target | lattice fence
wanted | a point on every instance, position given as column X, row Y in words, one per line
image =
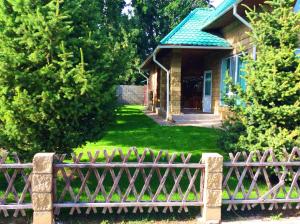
column 147, row 181
column 14, row 185
column 259, row 179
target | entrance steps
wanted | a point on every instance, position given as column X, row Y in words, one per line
column 198, row 120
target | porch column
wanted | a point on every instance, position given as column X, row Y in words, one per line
column 175, row 87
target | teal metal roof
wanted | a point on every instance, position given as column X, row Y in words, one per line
column 189, row 31
column 219, row 11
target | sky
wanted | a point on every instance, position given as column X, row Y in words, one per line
column 297, row 7
column 127, row 9
column 216, row 2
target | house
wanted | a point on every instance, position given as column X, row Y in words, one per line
column 187, row 70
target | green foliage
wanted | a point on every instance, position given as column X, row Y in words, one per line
column 59, row 63
column 269, row 109
column 155, row 18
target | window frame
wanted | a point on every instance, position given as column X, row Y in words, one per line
column 236, row 58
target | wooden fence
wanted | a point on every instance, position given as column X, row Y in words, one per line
column 15, row 185
column 133, row 181
column 148, row 180
column 260, row 179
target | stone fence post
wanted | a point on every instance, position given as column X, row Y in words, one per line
column 42, row 188
column 212, row 195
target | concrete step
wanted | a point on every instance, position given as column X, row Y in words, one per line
column 196, row 117
column 199, row 120
column 204, row 125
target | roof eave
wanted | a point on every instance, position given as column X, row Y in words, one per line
column 222, row 14
column 170, row 46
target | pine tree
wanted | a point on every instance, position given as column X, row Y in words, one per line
column 268, row 115
column 58, row 71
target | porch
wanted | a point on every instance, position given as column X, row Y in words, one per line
column 194, row 86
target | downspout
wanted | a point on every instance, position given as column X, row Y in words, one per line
column 235, row 13
column 147, row 89
column 168, row 81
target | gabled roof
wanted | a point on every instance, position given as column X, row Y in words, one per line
column 189, row 31
column 220, row 10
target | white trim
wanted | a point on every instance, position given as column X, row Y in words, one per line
column 147, row 89
column 193, row 47
column 236, row 68
column 211, row 90
column 168, row 82
column 159, row 47
column 241, row 19
column 222, row 14
column 236, row 72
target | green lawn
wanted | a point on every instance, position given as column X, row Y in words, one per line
column 133, row 128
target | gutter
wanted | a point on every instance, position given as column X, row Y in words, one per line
column 147, row 89
column 193, row 47
column 168, row 117
column 235, row 13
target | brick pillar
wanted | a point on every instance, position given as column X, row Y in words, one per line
column 212, row 195
column 42, row 187
column 163, row 94
column 175, row 87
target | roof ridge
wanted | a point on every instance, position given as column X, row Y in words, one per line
column 181, row 24
column 204, row 9
column 228, row 3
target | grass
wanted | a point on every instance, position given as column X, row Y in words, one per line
column 134, row 129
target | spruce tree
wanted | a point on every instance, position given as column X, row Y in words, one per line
column 58, row 72
column 268, row 112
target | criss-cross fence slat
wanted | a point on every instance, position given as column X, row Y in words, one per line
column 15, row 188
column 127, row 180
column 261, row 179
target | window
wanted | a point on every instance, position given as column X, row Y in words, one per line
column 298, row 52
column 234, row 66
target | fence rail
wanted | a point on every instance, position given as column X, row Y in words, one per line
column 15, row 185
column 165, row 183
column 146, row 181
column 259, row 179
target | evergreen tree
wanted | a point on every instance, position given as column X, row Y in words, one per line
column 59, row 63
column 268, row 112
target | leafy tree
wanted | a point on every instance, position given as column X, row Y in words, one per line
column 59, row 63
column 156, row 18
column 267, row 114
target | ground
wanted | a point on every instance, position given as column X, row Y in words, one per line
column 134, row 129
column 237, row 217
